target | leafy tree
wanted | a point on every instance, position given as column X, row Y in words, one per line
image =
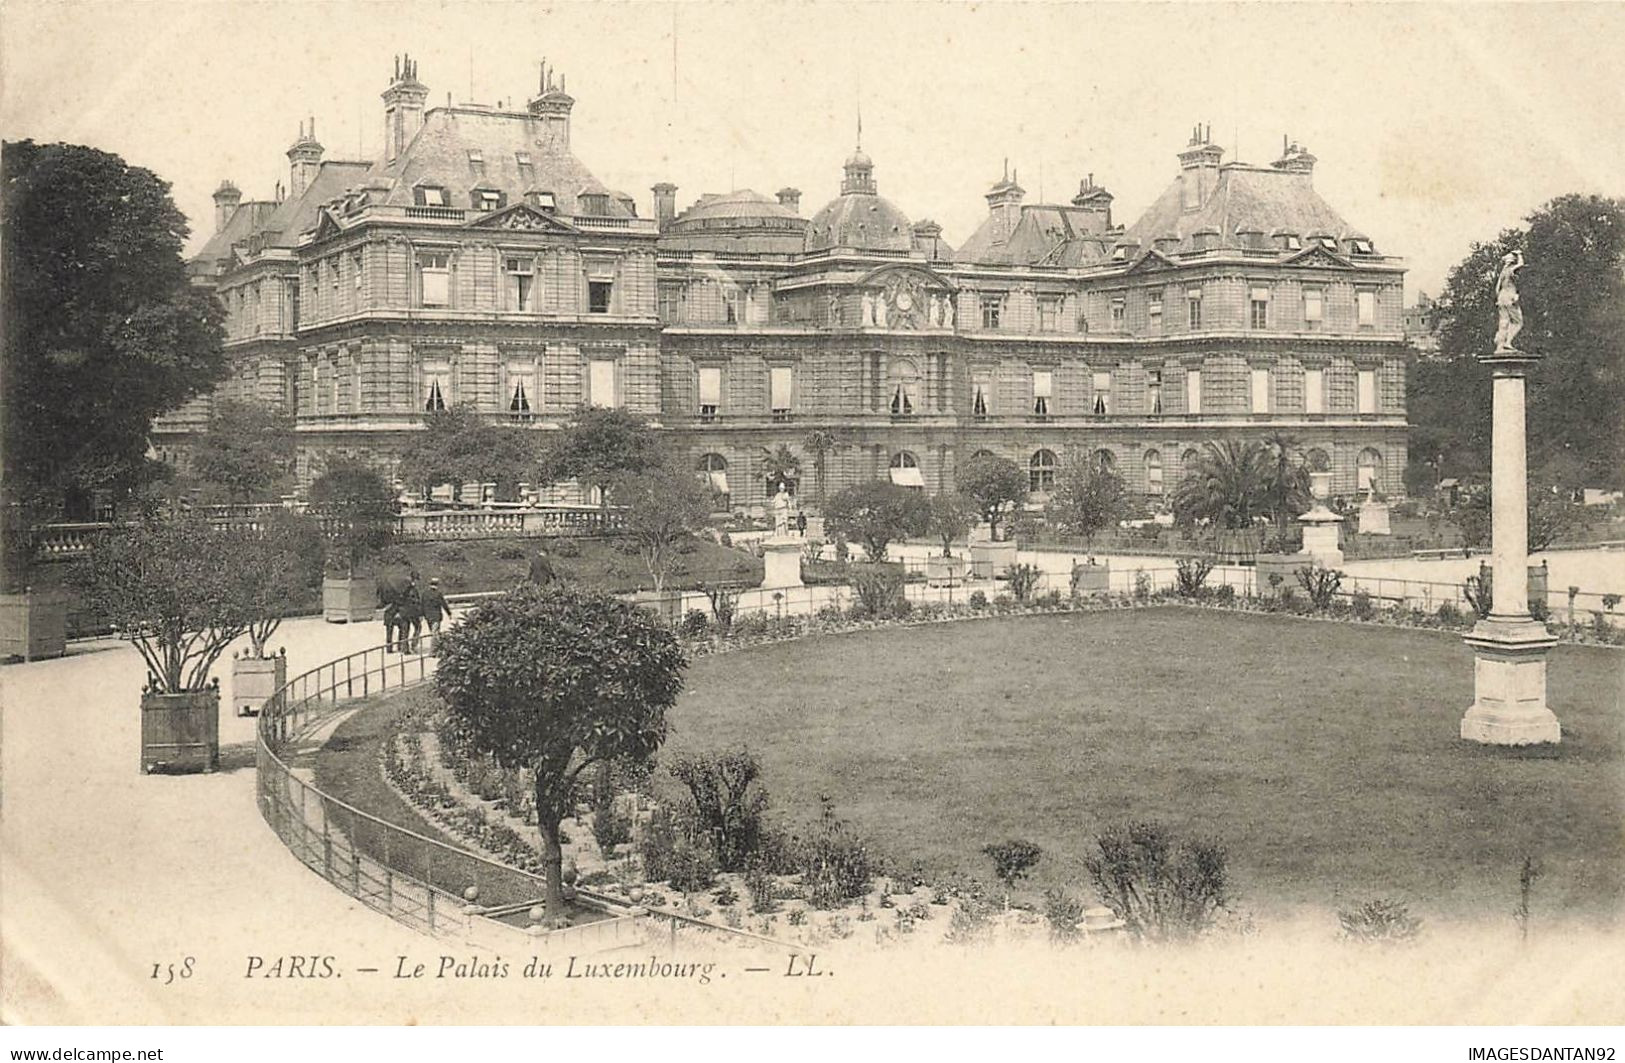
column 1226, row 487
column 1552, row 517
column 1285, row 473
column 1572, row 292
column 998, row 485
column 780, row 465
column 821, row 443
column 276, row 571
column 950, row 518
column 556, row 681
column 1087, row 499
column 358, row 507
column 459, row 446
column 875, row 513
column 247, row 450
column 665, row 506
column 103, row 331
column 174, row 589
column 1012, row 860
column 599, row 445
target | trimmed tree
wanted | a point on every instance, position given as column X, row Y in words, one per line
column 555, row 681
column 103, row 332
column 277, row 571
column 1087, row 499
column 876, row 513
column 246, row 452
column 358, row 508
column 950, row 518
column 598, row 446
column 459, row 446
column 998, row 485
column 665, row 506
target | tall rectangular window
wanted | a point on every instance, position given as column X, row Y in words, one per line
column 1314, row 391
column 671, row 303
column 521, row 388
column 991, row 306
column 1314, row 308
column 710, row 391
column 1193, row 391
column 521, row 280
column 1153, row 386
column 598, row 296
column 1043, row 382
column 601, row 382
column 781, row 380
column 1119, row 313
column 1153, row 311
column 1367, row 391
column 1259, row 308
column 434, row 278
column 1049, row 314
column 436, row 386
column 980, row 404
column 1193, row 306
column 1102, row 381
column 1367, row 302
column 1261, row 390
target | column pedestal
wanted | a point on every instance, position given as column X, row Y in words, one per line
column 781, row 562
column 1509, row 684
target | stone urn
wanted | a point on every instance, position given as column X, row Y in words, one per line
column 349, row 599
column 255, row 679
column 180, row 732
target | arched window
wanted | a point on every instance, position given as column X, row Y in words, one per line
column 905, row 470
column 904, row 381
column 1319, row 460
column 1104, row 460
column 1041, row 472
column 1153, row 472
column 983, row 453
column 713, row 469
column 1368, row 470
column 1187, row 461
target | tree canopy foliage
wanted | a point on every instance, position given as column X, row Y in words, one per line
column 876, row 513
column 459, row 446
column 1087, row 499
column 1226, row 487
column 998, row 485
column 599, row 445
column 555, row 681
column 665, row 505
column 247, row 451
column 950, row 517
column 359, row 505
column 1572, row 291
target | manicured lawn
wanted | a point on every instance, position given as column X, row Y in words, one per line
column 1324, row 756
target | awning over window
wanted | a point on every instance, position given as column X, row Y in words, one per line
column 719, row 480
column 909, row 477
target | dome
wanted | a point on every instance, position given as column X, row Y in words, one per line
column 862, row 221
column 742, row 221
column 734, row 208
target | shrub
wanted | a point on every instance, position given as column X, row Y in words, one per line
column 1361, row 604
column 695, row 624
column 724, row 601
column 759, row 884
column 1479, row 591
column 671, row 854
column 1449, row 615
column 1380, row 921
column 1320, row 584
column 1050, row 599
column 725, row 896
column 609, row 826
column 1063, row 912
column 972, row 919
column 879, row 590
column 1142, row 584
column 835, row 862
column 511, row 552
column 1224, row 594
column 1163, row 891
column 1012, row 860
column 1191, row 574
column 978, row 600
column 728, row 811
column 449, row 554
column 1022, row 580
column 1539, row 609
column 751, row 625
column 567, row 548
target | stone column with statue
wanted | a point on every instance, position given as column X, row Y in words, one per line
column 1509, row 646
column 781, row 551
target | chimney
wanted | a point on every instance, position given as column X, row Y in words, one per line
column 1295, row 158
column 1199, row 168
column 304, row 159
column 552, row 105
column 226, row 198
column 790, row 199
column 665, row 203
column 404, row 101
column 1095, row 199
column 1004, row 202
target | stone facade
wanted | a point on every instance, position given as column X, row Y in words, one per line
column 482, row 263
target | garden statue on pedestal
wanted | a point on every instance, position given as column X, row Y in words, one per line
column 783, row 512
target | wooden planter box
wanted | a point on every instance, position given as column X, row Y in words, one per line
column 1089, row 580
column 946, row 571
column 347, row 601
column 180, row 732
column 254, row 680
column 992, row 560
column 668, row 605
column 1284, row 565
column 33, row 625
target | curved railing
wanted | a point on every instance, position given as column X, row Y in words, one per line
column 412, row 878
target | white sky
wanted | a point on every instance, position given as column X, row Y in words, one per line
column 1434, row 125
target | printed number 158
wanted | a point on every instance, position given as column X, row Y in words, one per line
column 168, row 972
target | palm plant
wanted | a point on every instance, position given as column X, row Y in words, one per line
column 821, row 443
column 1285, row 472
column 780, row 466
column 1226, row 487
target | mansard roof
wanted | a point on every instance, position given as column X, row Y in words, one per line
column 245, row 220
column 463, row 148
column 1047, row 234
column 298, row 213
column 1245, row 198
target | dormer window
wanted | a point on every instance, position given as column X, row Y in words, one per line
column 543, row 201
column 486, row 199
column 1329, row 243
column 1291, row 242
column 1361, row 246
column 476, row 160
column 1119, row 253
column 430, row 196
column 522, row 158
column 595, row 204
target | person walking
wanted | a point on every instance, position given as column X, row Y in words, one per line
column 435, row 607
column 541, row 569
column 410, row 605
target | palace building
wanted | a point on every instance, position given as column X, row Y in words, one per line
column 479, row 261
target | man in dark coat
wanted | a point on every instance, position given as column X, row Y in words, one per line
column 391, row 586
column 435, row 607
column 410, row 606
column 541, row 569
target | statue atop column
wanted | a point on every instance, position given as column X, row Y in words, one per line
column 1508, row 314
column 783, row 512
